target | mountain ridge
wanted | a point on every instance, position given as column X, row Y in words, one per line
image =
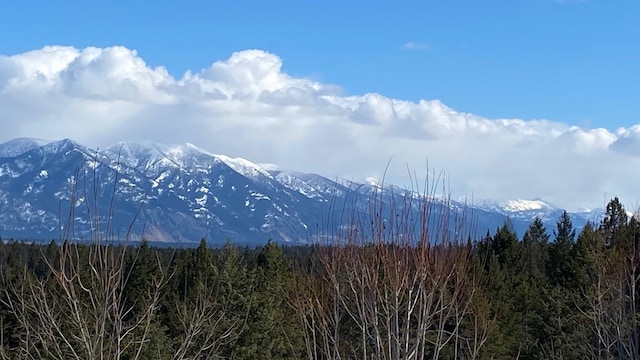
column 184, row 193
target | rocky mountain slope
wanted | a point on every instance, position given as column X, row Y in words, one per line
column 183, row 193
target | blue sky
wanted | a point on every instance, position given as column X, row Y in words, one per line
column 572, row 61
column 516, row 99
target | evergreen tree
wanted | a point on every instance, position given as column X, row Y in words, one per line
column 237, row 290
column 564, row 233
column 506, row 272
column 484, row 251
column 528, row 286
column 143, row 277
column 535, row 242
column 559, row 267
column 614, row 223
column 630, row 239
column 193, row 288
column 274, row 328
column 505, row 246
column 590, row 241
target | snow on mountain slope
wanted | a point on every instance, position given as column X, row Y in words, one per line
column 20, row 146
column 296, row 184
column 243, row 166
column 150, row 155
column 517, row 205
column 374, row 182
column 136, row 154
column 525, row 205
column 186, row 193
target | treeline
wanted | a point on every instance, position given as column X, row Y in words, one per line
column 399, row 292
column 74, row 301
column 565, row 295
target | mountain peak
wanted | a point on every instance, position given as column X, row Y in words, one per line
column 526, row 205
column 61, row 145
column 189, row 193
column 20, row 146
column 147, row 154
column 244, row 166
column 374, row 182
column 515, row 205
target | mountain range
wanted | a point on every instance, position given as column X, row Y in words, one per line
column 178, row 194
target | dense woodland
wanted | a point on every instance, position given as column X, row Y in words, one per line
column 395, row 293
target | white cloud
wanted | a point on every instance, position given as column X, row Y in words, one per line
column 247, row 106
column 415, row 45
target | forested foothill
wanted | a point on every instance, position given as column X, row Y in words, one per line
column 379, row 289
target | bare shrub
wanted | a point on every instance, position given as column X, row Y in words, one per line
column 80, row 309
column 398, row 282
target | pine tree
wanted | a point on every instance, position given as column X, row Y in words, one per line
column 237, row 290
column 505, row 246
column 273, row 331
column 529, row 286
column 198, row 316
column 507, row 276
column 559, row 267
column 564, row 233
column 536, row 241
column 144, row 275
column 614, row 223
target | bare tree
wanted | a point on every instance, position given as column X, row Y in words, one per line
column 611, row 301
column 81, row 310
column 396, row 283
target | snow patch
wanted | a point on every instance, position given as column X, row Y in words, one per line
column 19, row 146
column 269, row 167
column 244, row 167
column 162, row 176
column 297, row 185
column 525, row 205
column 259, row 196
column 515, row 206
column 377, row 183
column 202, row 201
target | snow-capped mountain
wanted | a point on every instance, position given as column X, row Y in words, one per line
column 180, row 193
column 514, row 206
column 520, row 210
column 19, row 146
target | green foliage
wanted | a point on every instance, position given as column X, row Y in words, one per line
column 614, row 223
column 536, row 242
column 538, row 297
column 273, row 327
column 506, row 248
column 560, row 268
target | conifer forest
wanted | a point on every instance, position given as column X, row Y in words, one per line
column 374, row 290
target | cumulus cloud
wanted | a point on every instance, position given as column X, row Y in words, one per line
column 248, row 106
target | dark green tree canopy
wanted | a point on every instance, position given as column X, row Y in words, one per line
column 614, row 222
